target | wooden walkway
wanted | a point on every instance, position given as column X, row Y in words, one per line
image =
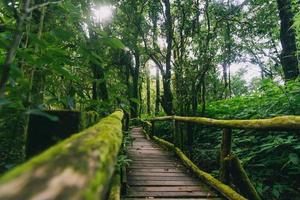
column 156, row 174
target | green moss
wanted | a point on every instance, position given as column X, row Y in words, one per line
column 164, row 143
column 91, row 154
column 277, row 123
column 115, row 191
column 210, row 180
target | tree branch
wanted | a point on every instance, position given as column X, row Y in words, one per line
column 42, row 5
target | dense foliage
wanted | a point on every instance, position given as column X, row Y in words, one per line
column 158, row 57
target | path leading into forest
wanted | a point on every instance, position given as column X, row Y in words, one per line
column 156, row 174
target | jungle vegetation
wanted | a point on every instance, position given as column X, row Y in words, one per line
column 223, row 59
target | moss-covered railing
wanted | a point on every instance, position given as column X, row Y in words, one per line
column 80, row 167
column 230, row 165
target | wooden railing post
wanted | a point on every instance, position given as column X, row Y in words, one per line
column 240, row 178
column 189, row 129
column 152, row 128
column 224, row 152
column 176, row 134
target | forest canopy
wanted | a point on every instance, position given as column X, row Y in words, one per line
column 221, row 59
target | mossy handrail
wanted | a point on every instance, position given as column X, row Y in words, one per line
column 289, row 122
column 80, row 167
column 228, row 161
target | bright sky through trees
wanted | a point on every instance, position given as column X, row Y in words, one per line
column 103, row 14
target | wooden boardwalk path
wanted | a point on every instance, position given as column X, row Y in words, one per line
column 156, row 174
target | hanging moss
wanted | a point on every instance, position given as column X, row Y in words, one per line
column 79, row 167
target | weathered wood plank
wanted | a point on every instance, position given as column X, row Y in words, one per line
column 156, row 173
column 161, row 178
column 168, row 189
column 179, row 198
column 171, row 194
column 164, row 183
column 134, row 173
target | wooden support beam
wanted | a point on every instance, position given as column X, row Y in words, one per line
column 224, row 152
column 176, row 134
column 152, row 129
column 190, row 138
column 123, row 180
column 282, row 123
column 240, row 178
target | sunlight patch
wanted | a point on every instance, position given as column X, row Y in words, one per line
column 103, row 14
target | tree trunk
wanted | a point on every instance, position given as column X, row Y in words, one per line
column 167, row 96
column 194, row 100
column 288, row 55
column 157, row 100
column 148, row 93
column 36, row 96
column 100, row 90
column 135, row 86
column 11, row 53
column 203, row 96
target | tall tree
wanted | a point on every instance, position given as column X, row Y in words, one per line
column 288, row 55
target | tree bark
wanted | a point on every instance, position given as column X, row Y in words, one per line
column 157, row 100
column 11, row 53
column 36, row 96
column 288, row 55
column 167, row 97
column 148, row 94
column 100, row 90
column 135, row 86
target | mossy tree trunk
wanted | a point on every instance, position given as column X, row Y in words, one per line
column 135, row 73
column 148, row 92
column 288, row 56
column 157, row 100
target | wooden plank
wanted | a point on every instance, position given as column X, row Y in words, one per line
column 155, row 164
column 147, row 198
column 156, row 159
column 168, row 189
column 144, row 148
column 157, row 170
column 161, row 178
column 134, row 173
column 155, row 173
column 164, row 183
column 171, row 194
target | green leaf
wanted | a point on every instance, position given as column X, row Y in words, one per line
column 4, row 102
column 114, row 43
column 294, row 158
column 65, row 72
column 41, row 113
column 135, row 100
